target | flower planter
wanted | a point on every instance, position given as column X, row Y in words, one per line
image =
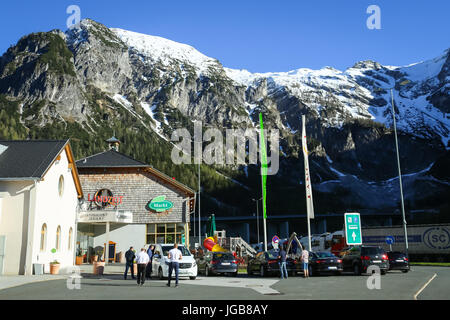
column 54, row 268
column 79, row 260
column 99, row 267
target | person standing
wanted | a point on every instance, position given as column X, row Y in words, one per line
column 305, row 259
column 282, row 258
column 129, row 257
column 174, row 257
column 148, row 269
column 142, row 260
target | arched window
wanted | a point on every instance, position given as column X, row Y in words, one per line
column 70, row 238
column 61, row 185
column 43, row 236
column 58, row 238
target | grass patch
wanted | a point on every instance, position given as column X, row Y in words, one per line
column 431, row 264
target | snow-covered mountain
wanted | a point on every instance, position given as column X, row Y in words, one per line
column 362, row 90
column 93, row 75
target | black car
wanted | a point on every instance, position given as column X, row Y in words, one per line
column 359, row 258
column 324, row 262
column 267, row 262
column 217, row 263
column 398, row 261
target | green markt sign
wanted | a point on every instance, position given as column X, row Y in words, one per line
column 353, row 234
column 159, row 204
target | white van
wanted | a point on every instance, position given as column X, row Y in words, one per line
column 160, row 262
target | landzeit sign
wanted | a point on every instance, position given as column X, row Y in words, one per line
column 104, row 198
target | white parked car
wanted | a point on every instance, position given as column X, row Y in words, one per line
column 160, row 263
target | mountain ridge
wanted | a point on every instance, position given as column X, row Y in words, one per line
column 90, row 80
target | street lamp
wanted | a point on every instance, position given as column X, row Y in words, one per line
column 399, row 171
column 257, row 219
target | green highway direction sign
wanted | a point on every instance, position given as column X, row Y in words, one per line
column 353, row 229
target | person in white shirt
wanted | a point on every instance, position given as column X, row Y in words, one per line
column 174, row 257
column 305, row 259
column 142, row 259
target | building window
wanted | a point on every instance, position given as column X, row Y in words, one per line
column 43, row 237
column 70, row 239
column 164, row 232
column 61, row 185
column 58, row 238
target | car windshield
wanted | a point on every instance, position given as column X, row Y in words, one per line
column 372, row 250
column 325, row 255
column 223, row 256
column 183, row 250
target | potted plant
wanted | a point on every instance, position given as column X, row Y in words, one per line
column 99, row 267
column 79, row 258
column 99, row 264
column 54, row 267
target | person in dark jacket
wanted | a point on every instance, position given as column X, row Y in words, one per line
column 148, row 269
column 282, row 259
column 129, row 257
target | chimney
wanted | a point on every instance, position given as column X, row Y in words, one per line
column 113, row 143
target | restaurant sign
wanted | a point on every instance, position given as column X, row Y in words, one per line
column 159, row 204
column 104, row 197
column 118, row 216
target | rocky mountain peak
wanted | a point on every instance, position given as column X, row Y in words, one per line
column 367, row 64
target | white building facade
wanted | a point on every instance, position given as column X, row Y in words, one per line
column 38, row 206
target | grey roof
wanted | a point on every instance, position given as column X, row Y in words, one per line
column 28, row 159
column 113, row 139
column 109, row 159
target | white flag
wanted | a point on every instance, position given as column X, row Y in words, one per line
column 309, row 198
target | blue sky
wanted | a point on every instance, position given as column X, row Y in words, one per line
column 260, row 36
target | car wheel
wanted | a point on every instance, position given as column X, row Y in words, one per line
column 192, row 278
column 249, row 271
column 160, row 274
column 207, row 271
column 405, row 271
column 234, row 274
column 338, row 273
column 383, row 272
column 261, row 271
column 356, row 270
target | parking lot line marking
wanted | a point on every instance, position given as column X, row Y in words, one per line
column 424, row 286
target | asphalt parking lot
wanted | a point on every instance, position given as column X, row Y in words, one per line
column 415, row 284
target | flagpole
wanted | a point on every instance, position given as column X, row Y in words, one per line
column 264, row 218
column 263, row 158
column 309, row 232
column 308, row 190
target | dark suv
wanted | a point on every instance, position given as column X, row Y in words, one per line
column 359, row 258
column 398, row 261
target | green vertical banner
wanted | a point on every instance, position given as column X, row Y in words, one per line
column 263, row 156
